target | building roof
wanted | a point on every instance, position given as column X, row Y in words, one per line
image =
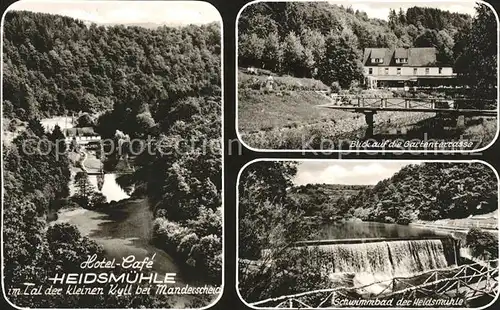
column 378, row 52
column 79, row 131
column 417, row 56
column 401, row 53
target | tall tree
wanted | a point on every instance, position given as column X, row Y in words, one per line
column 478, row 61
column 84, row 189
column 272, row 56
column 293, row 54
column 36, row 127
column 57, row 137
column 341, row 62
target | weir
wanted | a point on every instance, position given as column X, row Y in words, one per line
column 402, row 268
column 392, row 258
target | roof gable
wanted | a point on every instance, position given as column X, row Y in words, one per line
column 417, row 56
column 401, row 53
column 371, row 53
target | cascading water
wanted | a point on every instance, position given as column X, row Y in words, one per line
column 409, row 257
column 390, row 258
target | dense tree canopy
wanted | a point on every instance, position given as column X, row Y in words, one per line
column 326, row 200
column 55, row 64
column 35, row 179
column 265, row 214
column 294, row 38
column 477, row 53
column 428, row 191
column 161, row 85
column 270, row 220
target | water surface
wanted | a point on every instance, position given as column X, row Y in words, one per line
column 359, row 229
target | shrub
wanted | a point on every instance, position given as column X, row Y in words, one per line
column 482, row 243
column 168, row 233
column 206, row 250
column 405, row 218
column 335, row 87
column 208, row 222
column 85, row 120
column 187, row 242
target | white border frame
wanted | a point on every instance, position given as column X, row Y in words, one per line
column 347, row 2
column 339, row 161
column 221, row 24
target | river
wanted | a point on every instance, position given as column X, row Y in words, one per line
column 359, row 229
column 122, row 230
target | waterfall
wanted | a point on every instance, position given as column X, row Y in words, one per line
column 409, row 257
column 389, row 258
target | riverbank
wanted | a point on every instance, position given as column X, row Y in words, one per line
column 487, row 222
column 125, row 230
column 122, row 231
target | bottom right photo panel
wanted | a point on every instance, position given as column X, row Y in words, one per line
column 367, row 234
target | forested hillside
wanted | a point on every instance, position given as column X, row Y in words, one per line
column 160, row 85
column 429, row 191
column 326, row 200
column 35, row 182
column 56, row 64
column 326, row 41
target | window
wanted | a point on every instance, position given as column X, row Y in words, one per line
column 399, row 71
column 386, row 71
column 370, row 70
column 426, row 70
column 440, row 70
column 414, row 71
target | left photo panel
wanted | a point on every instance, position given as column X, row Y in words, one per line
column 112, row 154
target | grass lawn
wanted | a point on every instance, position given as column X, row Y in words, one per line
column 285, row 82
column 258, row 110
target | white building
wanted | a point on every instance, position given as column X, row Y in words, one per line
column 384, row 67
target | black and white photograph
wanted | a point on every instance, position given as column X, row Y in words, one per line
column 367, row 234
column 111, row 154
column 367, row 75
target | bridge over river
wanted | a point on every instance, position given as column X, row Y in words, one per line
column 410, row 268
column 371, row 106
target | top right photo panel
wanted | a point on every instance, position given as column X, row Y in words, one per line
column 367, row 75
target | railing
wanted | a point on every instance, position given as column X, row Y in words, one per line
column 403, row 102
column 469, row 281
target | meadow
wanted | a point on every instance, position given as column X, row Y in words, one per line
column 289, row 115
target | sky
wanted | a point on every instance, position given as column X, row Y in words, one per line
column 126, row 12
column 347, row 172
column 380, row 9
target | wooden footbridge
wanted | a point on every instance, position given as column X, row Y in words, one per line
column 467, row 282
column 370, row 106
